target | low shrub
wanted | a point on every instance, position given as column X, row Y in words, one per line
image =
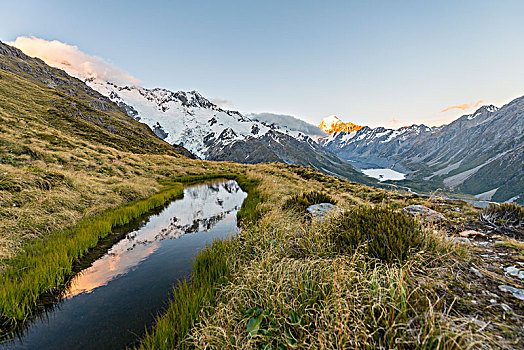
column 300, row 202
column 506, row 216
column 383, row 233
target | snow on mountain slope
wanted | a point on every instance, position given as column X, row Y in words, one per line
column 184, row 118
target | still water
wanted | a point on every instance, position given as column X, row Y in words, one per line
column 110, row 304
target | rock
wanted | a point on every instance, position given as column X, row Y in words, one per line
column 471, row 233
column 513, row 271
column 319, row 211
column 517, row 292
column 425, row 212
column 462, row 240
column 477, row 272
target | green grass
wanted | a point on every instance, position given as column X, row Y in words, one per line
column 44, row 264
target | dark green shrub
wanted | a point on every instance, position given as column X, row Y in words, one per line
column 384, row 234
column 300, row 202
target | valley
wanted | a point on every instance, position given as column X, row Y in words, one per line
column 212, row 212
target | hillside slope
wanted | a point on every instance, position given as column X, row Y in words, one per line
column 69, row 105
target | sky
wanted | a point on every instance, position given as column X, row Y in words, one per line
column 376, row 63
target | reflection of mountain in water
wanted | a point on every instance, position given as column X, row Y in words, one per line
column 200, row 210
column 205, row 206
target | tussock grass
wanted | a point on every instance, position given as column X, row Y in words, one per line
column 320, row 299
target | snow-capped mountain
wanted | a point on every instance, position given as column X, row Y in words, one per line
column 374, row 147
column 332, row 124
column 212, row 133
column 480, row 153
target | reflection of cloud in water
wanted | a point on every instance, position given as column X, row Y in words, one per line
column 107, row 268
column 202, row 208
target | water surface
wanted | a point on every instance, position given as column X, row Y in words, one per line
column 109, row 304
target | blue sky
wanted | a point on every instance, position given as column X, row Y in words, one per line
column 390, row 63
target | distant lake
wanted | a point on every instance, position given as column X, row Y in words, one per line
column 384, row 174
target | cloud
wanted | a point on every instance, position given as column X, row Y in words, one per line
column 223, row 103
column 69, row 58
column 464, row 106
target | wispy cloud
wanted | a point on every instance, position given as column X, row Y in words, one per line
column 220, row 102
column 464, row 106
column 72, row 60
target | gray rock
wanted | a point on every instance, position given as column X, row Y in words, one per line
column 517, row 292
column 462, row 240
column 425, row 212
column 477, row 272
column 319, row 211
column 513, row 271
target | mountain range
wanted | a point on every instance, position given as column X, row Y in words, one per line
column 479, row 154
column 211, row 133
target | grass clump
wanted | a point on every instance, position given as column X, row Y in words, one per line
column 300, row 202
column 385, row 234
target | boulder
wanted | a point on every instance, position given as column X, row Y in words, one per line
column 425, row 212
column 319, row 211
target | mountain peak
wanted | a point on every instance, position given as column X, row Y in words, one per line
column 333, row 124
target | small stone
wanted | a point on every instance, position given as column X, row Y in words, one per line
column 493, row 301
column 517, row 292
column 512, row 270
column 471, row 233
column 477, row 272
